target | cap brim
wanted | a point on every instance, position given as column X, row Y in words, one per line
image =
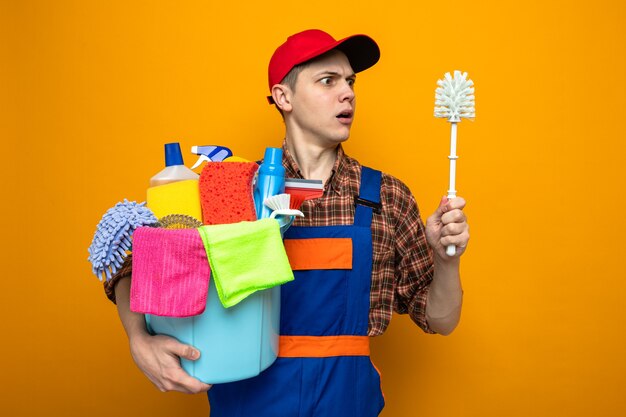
column 361, row 50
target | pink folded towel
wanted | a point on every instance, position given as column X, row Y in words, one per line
column 170, row 272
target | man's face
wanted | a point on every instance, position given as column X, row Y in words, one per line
column 323, row 102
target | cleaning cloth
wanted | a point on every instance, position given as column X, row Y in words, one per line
column 226, row 192
column 245, row 257
column 170, row 272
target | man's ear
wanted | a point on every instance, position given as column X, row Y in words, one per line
column 282, row 97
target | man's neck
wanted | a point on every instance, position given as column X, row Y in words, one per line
column 314, row 161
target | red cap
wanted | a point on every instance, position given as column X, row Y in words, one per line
column 361, row 50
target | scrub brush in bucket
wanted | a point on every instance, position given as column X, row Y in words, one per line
column 280, row 205
column 179, row 221
column 454, row 99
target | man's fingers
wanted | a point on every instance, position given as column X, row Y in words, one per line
column 448, row 225
column 189, row 385
column 454, row 216
column 185, row 351
column 453, row 229
column 447, row 205
column 441, row 209
column 178, row 379
column 182, row 382
column 159, row 359
column 456, row 203
column 460, row 239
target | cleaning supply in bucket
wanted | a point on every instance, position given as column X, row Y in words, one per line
column 270, row 180
column 245, row 257
column 170, row 274
column 454, row 99
column 174, row 170
column 174, row 190
column 210, row 153
column 179, row 221
column 182, row 197
column 269, row 183
column 279, row 204
column 247, row 333
column 226, row 192
column 111, row 241
column 301, row 189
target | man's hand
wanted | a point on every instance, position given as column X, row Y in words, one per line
column 448, row 226
column 158, row 357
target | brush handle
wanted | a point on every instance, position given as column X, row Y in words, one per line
column 451, row 249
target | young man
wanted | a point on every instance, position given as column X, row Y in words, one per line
column 382, row 257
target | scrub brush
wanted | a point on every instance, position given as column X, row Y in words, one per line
column 454, row 99
column 112, row 238
column 280, row 205
column 300, row 190
column 179, row 221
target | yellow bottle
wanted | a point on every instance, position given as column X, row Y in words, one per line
column 174, row 190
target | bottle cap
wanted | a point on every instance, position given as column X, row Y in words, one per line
column 273, row 156
column 173, row 155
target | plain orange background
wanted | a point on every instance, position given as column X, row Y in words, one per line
column 90, row 91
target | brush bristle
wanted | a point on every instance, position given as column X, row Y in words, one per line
column 179, row 221
column 454, row 98
column 278, row 202
column 296, row 201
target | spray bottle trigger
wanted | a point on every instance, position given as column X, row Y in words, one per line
column 200, row 161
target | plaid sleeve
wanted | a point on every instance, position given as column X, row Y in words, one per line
column 125, row 271
column 413, row 257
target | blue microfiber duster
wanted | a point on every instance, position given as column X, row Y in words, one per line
column 112, row 238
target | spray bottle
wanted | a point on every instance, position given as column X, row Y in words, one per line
column 270, row 181
column 210, row 153
column 174, row 170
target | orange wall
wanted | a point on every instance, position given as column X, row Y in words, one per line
column 91, row 90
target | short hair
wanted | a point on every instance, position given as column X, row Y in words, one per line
column 291, row 78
